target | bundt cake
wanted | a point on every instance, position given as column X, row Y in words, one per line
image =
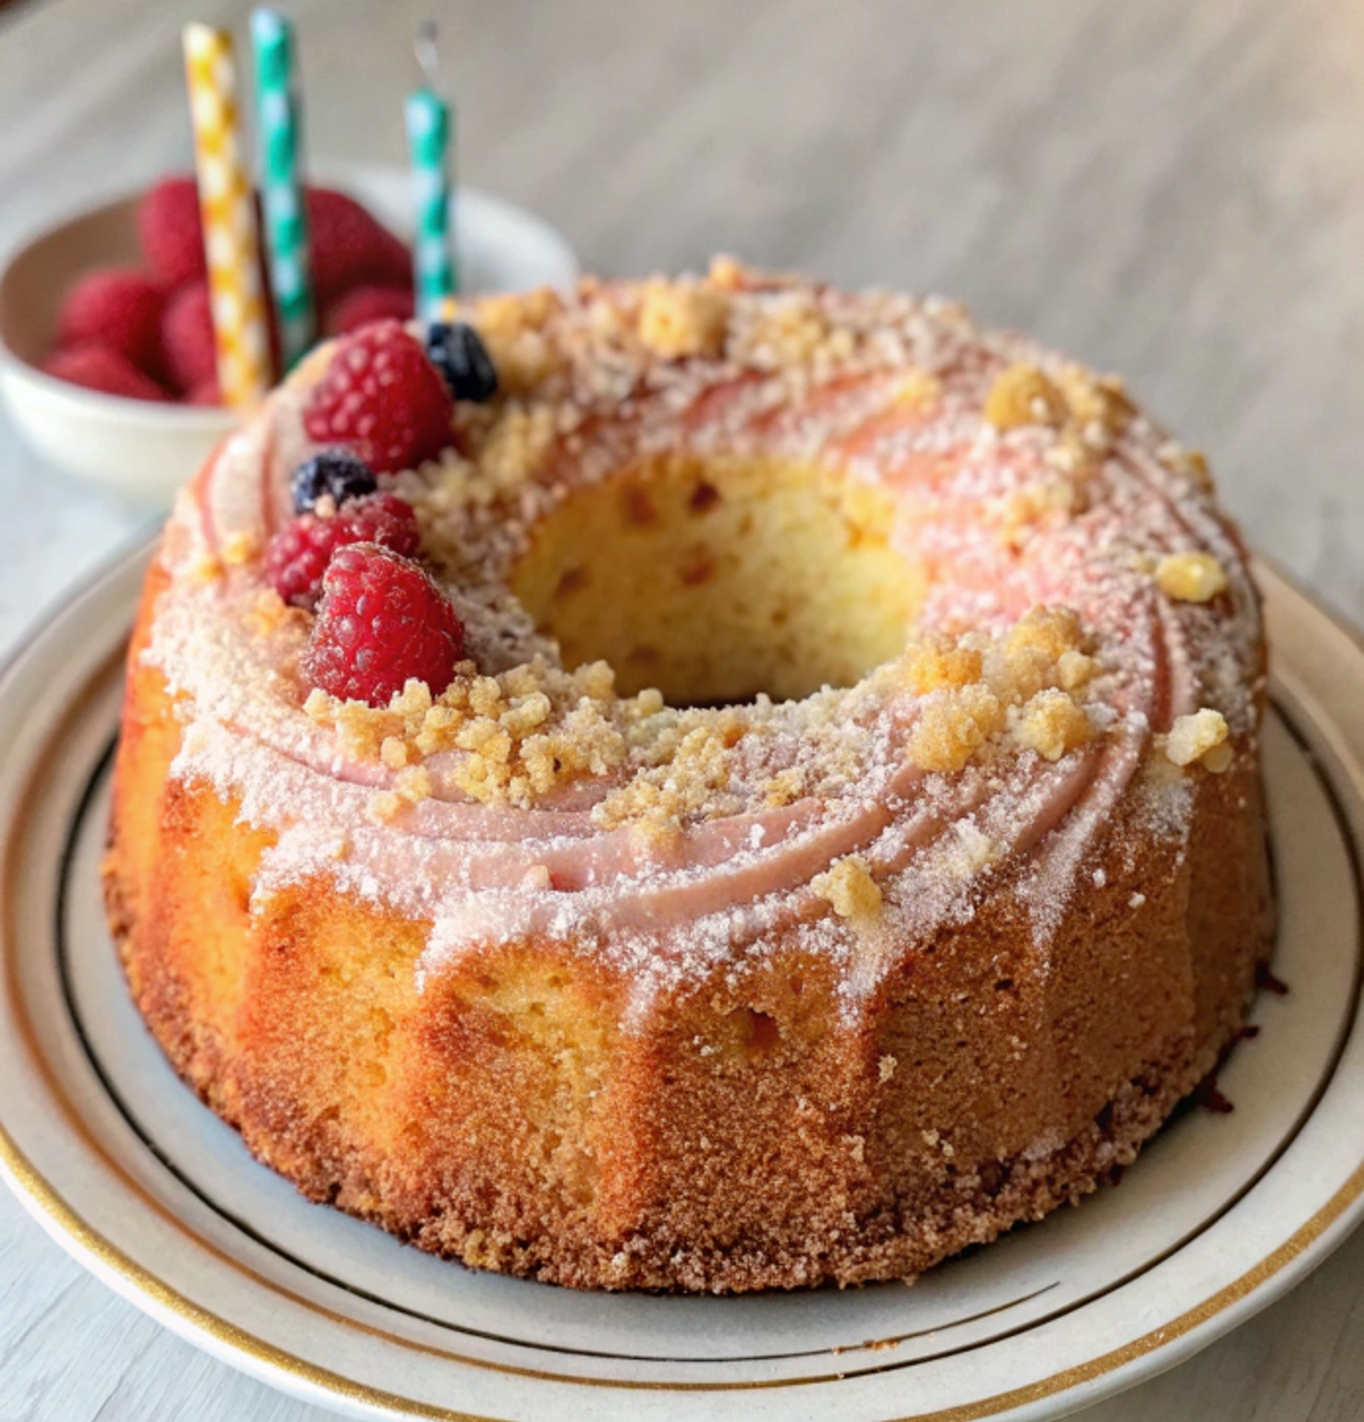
column 713, row 784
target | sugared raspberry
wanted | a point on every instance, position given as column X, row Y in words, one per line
column 297, row 556
column 337, row 473
column 383, row 398
column 96, row 367
column 363, row 304
column 458, row 352
column 187, row 337
column 350, row 247
column 116, row 308
column 382, row 622
column 170, row 231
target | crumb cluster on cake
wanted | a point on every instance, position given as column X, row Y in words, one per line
column 823, row 830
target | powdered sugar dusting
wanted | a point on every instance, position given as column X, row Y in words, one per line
column 878, row 389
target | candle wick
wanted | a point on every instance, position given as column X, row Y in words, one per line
column 424, row 44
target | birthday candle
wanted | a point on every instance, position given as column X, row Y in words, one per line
column 428, row 133
column 231, row 247
column 286, row 217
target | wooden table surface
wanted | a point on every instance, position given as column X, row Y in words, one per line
column 1171, row 190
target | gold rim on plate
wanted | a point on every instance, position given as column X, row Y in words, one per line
column 1317, row 648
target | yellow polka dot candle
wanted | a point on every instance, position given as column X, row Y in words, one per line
column 231, row 243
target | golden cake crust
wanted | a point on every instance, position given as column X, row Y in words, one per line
column 519, row 1104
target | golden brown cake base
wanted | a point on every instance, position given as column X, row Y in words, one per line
column 506, row 1119
column 838, row 839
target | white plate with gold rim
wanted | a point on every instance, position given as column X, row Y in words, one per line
column 130, row 1174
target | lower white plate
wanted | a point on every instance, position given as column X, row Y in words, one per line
column 129, row 1173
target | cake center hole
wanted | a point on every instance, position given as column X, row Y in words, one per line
column 716, row 579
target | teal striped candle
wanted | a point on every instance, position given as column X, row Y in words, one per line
column 282, row 203
column 428, row 136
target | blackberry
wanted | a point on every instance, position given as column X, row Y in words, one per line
column 337, row 472
column 461, row 357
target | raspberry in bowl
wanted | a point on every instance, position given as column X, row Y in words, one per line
column 84, row 404
column 106, row 363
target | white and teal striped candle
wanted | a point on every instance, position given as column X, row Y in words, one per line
column 430, row 124
column 278, row 116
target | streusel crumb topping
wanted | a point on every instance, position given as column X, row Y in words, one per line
column 1054, row 584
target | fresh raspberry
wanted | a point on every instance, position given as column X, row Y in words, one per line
column 101, row 368
column 350, row 247
column 383, row 398
column 187, row 337
column 363, row 304
column 297, row 556
column 392, row 261
column 207, row 392
column 170, row 231
column 115, row 308
column 382, row 622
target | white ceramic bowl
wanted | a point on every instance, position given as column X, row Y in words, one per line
column 145, row 450
column 138, row 447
